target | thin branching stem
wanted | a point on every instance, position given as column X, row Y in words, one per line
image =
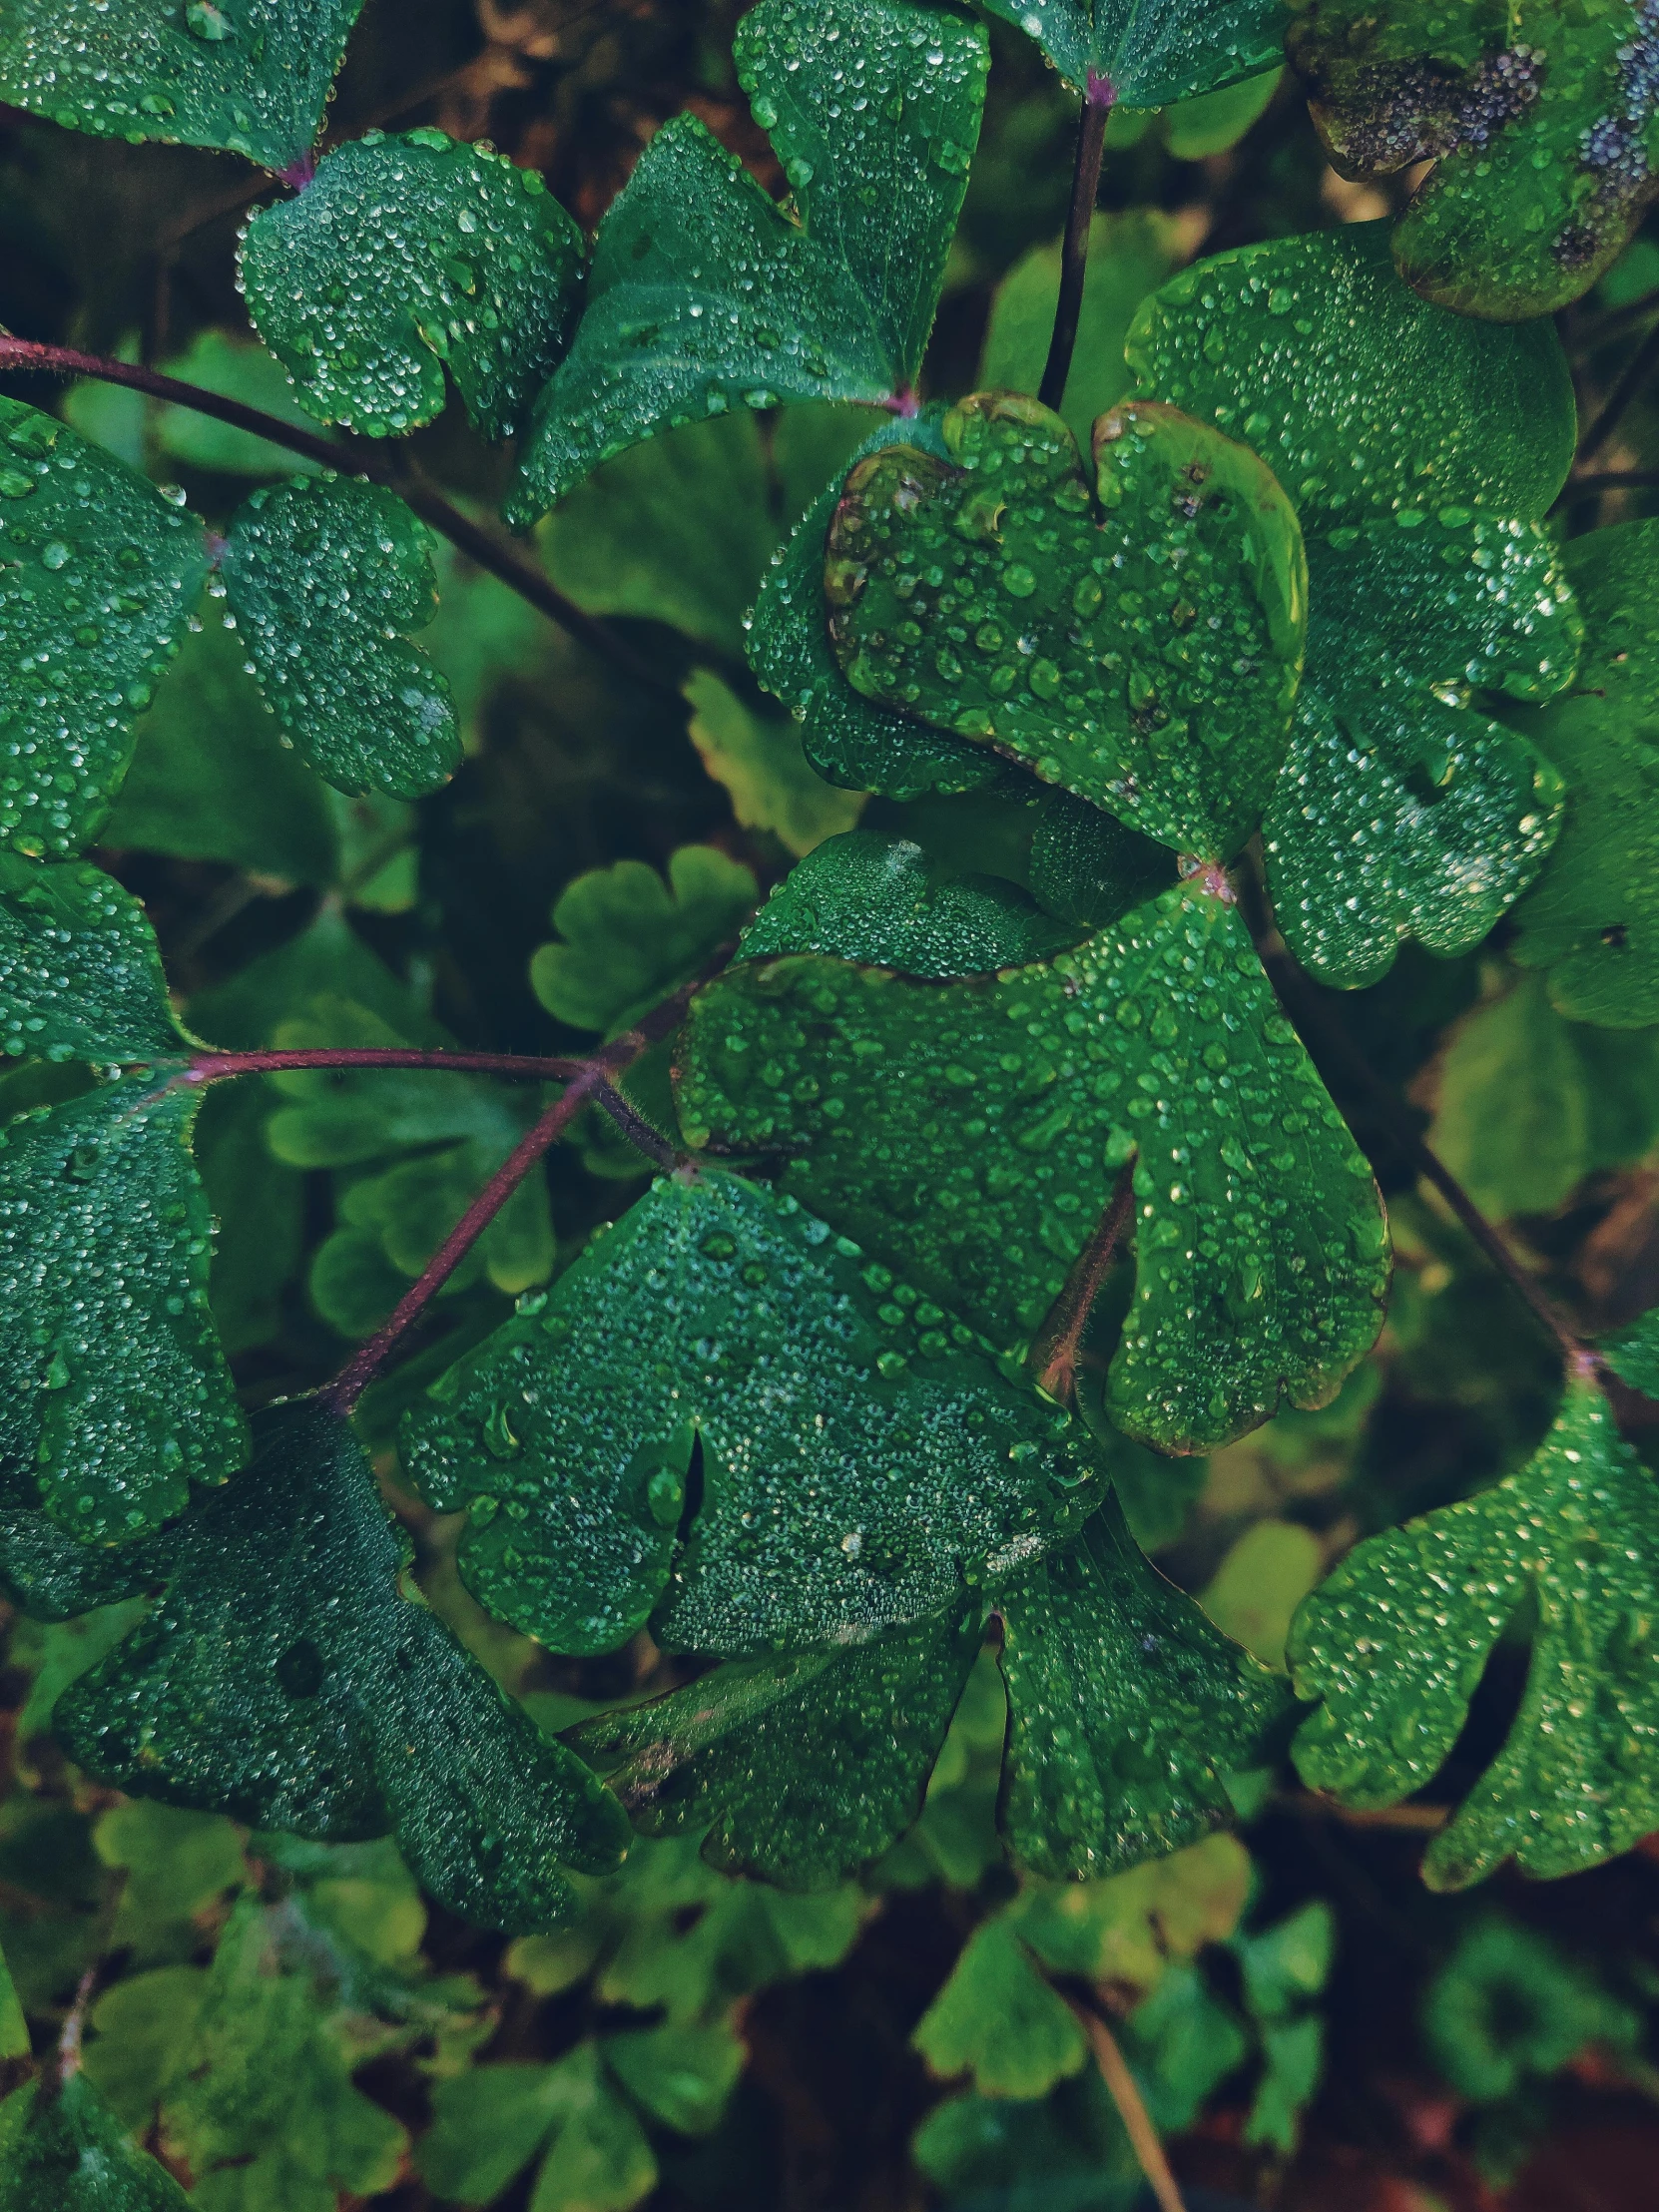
column 218, row 1067
column 1074, row 253
column 1125, row 2093
column 380, row 464
column 1055, row 1354
column 1638, row 369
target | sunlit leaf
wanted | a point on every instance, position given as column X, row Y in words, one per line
column 997, row 2020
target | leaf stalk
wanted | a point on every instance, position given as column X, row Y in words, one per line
column 1098, row 102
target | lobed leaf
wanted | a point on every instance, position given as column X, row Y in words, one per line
column 64, row 2150
column 1357, row 393
column 286, row 1678
column 114, row 1395
column 1403, row 810
column 490, row 2122
column 1137, row 639
column 1006, row 1109
column 98, row 576
column 404, row 255
column 1126, row 1710
column 1394, row 1645
column 997, row 2020
column 1541, row 122
column 251, row 76
column 797, row 1769
column 1593, row 921
column 702, row 292
column 1151, row 52
column 858, row 1453
column 627, row 940
column 759, row 759
column 80, row 974
column 326, row 576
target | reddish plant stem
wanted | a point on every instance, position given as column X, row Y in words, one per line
column 1058, row 1345
column 1074, row 253
column 1125, row 2093
column 380, row 464
column 641, row 1133
column 218, row 1067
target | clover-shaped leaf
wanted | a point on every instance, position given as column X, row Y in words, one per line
column 326, row 576
column 627, row 940
column 702, row 292
column 802, row 1768
column 1539, row 120
column 1396, row 1641
column 251, row 76
column 402, row 255
column 80, row 974
column 1404, row 811
column 1136, row 639
column 62, row 2149
column 113, row 1390
column 1593, row 919
column 1008, row 1107
column 1126, row 1708
column 98, row 576
column 1151, row 52
column 856, row 1448
column 286, row 1678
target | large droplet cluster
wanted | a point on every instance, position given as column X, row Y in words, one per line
column 251, row 75
column 114, row 1395
column 80, row 974
column 857, row 1449
column 1397, row 1639
column 98, row 577
column 972, row 1133
column 402, row 255
column 705, row 296
column 325, row 575
column 1142, row 651
column 1403, row 810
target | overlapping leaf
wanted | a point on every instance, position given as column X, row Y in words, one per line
column 800, row 1769
column 857, row 1449
column 286, row 1678
column 251, row 75
column 1593, row 921
column 326, row 576
column 1151, row 52
column 1395, row 1644
column 80, row 974
column 1539, row 119
column 704, row 293
column 98, row 575
column 404, row 255
column 1126, row 1709
column 1421, row 449
column 627, row 940
column 1136, row 640
column 63, row 2150
column 1007, row 1106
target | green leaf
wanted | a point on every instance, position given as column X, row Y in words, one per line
column 628, row 940
column 1593, row 921
column 858, row 1453
column 1128, row 1928
column 14, row 2029
column 1126, row 1708
column 195, row 790
column 326, row 576
column 1211, row 122
column 98, row 575
column 1293, row 2054
column 404, row 255
column 1166, row 622
column 759, row 759
column 877, row 900
column 113, row 1389
column 69, row 2153
column 286, row 1679
column 997, row 2020
column 1130, row 253
column 1067, row 2150
column 1395, row 1643
column 1150, row 51
column 1633, row 1353
column 487, row 2125
column 797, row 1769
column 175, row 1864
column 144, row 2030
column 1508, row 2009
column 261, row 1212
column 1008, row 1106
column 1361, row 397
column 1404, row 811
column 848, row 739
column 251, row 75
column 238, row 367
column 80, row 974
column 1539, row 121
column 702, row 292
column 1530, row 1104
column 599, row 2161
column 1259, row 1583
column 676, row 531
column 683, row 2077
column 1183, row 2042
column 1287, row 1964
